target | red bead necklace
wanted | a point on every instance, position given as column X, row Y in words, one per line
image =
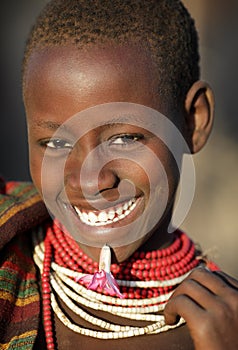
column 165, row 264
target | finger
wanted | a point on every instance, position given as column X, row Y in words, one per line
column 211, row 280
column 232, row 282
column 196, row 292
column 185, row 307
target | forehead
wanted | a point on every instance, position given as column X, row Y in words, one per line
column 92, row 56
column 84, row 78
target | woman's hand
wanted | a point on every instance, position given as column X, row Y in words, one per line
column 208, row 301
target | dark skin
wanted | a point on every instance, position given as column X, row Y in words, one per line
column 63, row 82
column 176, row 339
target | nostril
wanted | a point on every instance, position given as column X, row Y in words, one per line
column 115, row 184
column 93, row 183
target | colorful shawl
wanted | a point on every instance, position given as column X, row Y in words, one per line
column 21, row 209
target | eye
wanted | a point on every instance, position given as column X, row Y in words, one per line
column 125, row 139
column 56, row 144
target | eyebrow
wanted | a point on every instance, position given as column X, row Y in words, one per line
column 48, row 124
column 52, row 125
column 109, row 124
column 126, row 118
column 131, row 119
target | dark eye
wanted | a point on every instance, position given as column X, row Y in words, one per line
column 57, row 144
column 126, row 139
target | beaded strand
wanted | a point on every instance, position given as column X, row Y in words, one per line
column 46, row 291
column 147, row 281
column 167, row 263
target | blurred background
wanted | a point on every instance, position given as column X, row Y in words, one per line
column 212, row 218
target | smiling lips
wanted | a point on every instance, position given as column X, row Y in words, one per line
column 107, row 216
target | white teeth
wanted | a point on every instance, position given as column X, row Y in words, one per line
column 111, row 214
column 122, row 216
column 92, row 217
column 104, row 217
column 119, row 211
column 125, row 206
column 133, row 206
column 85, row 216
column 77, row 211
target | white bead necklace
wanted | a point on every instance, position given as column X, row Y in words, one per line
column 70, row 292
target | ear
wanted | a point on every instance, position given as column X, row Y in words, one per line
column 199, row 107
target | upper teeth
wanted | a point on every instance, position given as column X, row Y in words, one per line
column 108, row 216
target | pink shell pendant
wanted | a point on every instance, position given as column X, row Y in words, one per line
column 103, row 278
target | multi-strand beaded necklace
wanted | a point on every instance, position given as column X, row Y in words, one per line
column 146, row 282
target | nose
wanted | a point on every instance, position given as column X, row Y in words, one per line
column 89, row 175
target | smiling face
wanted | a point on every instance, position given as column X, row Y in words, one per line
column 63, row 82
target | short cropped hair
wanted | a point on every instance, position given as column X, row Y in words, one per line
column 164, row 26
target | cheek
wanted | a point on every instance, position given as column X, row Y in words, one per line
column 159, row 179
column 136, row 172
column 35, row 170
column 46, row 175
column 169, row 165
column 173, row 172
column 144, row 174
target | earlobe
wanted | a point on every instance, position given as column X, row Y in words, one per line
column 199, row 107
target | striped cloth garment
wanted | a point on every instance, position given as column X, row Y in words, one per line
column 21, row 209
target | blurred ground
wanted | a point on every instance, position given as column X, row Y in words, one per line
column 212, row 218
